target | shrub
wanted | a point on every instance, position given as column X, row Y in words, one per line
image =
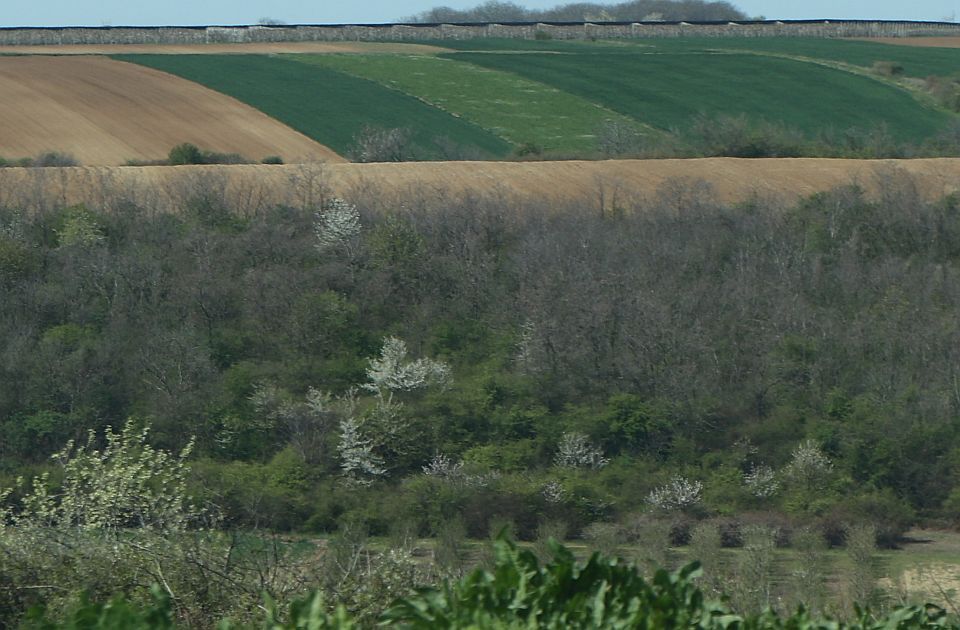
column 272, row 159
column 185, row 153
column 376, row 144
column 54, row 158
column 887, row 68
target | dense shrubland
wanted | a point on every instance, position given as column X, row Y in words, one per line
column 671, row 371
column 648, row 10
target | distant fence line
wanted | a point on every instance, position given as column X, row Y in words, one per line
column 32, row 36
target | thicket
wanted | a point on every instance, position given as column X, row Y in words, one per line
column 743, row 137
column 443, row 365
column 647, row 10
column 46, row 159
column 517, row 592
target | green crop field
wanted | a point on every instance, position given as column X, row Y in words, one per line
column 916, row 61
column 506, row 103
column 328, row 106
column 491, row 96
column 668, row 89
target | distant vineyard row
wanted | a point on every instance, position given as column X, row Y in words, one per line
column 519, row 30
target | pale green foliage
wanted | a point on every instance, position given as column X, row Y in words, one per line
column 393, row 372
column 127, row 484
column 80, row 229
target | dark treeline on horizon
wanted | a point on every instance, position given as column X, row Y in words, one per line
column 635, row 10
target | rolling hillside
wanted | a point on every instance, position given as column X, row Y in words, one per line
column 491, row 96
column 106, row 112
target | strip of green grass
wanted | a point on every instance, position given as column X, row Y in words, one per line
column 667, row 90
column 329, row 106
column 511, row 106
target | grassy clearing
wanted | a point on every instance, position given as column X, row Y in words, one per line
column 329, row 106
column 667, row 89
column 513, row 107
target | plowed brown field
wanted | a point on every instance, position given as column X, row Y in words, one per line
column 264, row 48
column 607, row 183
column 106, row 112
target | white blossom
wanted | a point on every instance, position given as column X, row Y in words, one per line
column 391, row 371
column 554, row 492
column 576, row 451
column 358, row 462
column 809, row 466
column 442, row 466
column 678, row 494
column 336, row 224
column 762, row 482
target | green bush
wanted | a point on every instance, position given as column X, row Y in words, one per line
column 185, row 153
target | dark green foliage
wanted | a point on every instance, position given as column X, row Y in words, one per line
column 118, row 613
column 185, row 154
column 604, row 593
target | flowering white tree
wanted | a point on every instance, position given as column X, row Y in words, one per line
column 442, row 466
column 358, row 462
column 336, row 224
column 554, row 492
column 393, row 372
column 678, row 494
column 809, row 467
column 576, row 451
column 762, row 482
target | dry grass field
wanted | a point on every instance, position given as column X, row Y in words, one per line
column 598, row 184
column 106, row 112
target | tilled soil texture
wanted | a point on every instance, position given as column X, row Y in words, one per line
column 606, row 186
column 264, row 48
column 106, row 112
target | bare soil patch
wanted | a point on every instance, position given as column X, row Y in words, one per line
column 220, row 49
column 106, row 112
column 600, row 185
column 923, row 42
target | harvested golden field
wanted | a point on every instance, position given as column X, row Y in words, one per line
column 607, row 184
column 264, row 48
column 106, row 112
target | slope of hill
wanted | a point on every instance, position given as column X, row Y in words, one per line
column 329, row 106
column 608, row 183
column 489, row 96
column 107, row 112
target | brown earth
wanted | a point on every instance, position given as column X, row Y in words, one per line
column 106, row 112
column 923, row 42
column 218, row 49
column 595, row 184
